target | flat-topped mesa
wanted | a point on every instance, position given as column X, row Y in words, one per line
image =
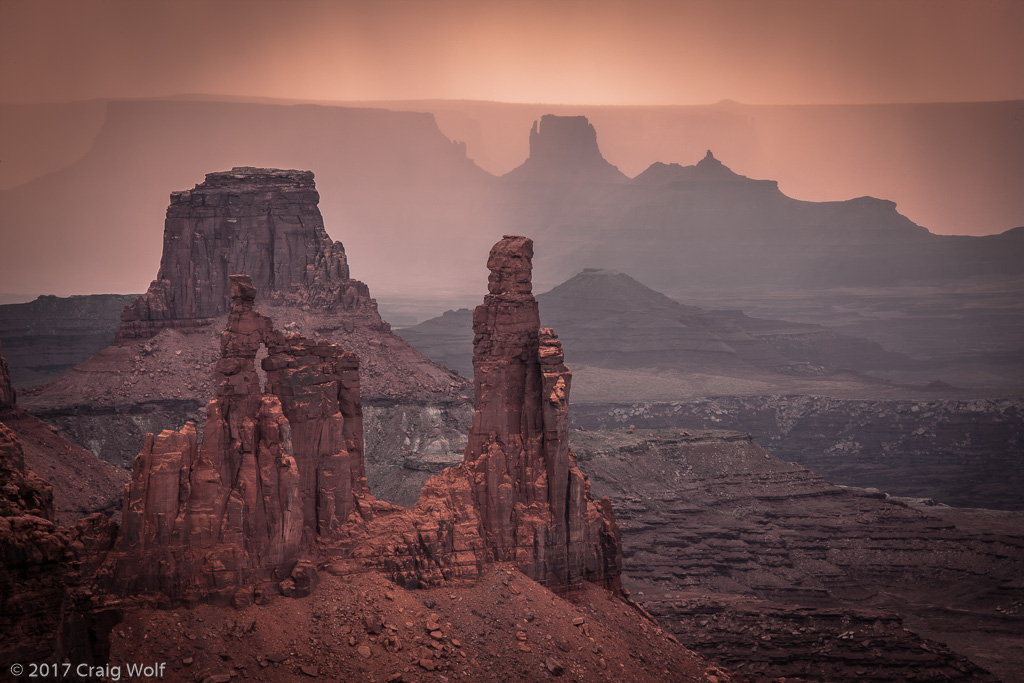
column 564, row 149
column 535, row 506
column 278, row 469
column 262, row 222
column 8, row 396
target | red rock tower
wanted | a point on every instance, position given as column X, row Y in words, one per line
column 534, row 503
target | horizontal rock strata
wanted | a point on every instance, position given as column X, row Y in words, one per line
column 763, row 565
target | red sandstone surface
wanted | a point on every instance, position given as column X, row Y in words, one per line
column 277, row 483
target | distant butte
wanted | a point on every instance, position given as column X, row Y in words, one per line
column 564, row 149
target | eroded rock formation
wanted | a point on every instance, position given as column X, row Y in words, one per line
column 279, row 466
column 258, row 221
column 535, row 504
column 277, row 484
column 264, row 223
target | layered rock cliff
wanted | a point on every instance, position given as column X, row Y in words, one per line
column 258, row 221
column 776, row 572
column 264, row 223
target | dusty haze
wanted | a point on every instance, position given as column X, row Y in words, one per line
column 570, row 52
column 916, row 102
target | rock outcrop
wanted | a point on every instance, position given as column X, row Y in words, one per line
column 277, row 484
column 535, row 504
column 279, row 467
column 31, row 553
column 258, row 221
column 43, row 614
column 7, row 393
column 564, row 149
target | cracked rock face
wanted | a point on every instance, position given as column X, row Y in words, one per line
column 265, row 223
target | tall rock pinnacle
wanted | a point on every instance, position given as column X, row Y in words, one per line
column 262, row 222
column 535, row 504
column 564, row 149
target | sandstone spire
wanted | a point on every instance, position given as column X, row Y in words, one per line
column 278, row 478
column 534, row 503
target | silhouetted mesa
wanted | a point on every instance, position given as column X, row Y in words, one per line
column 564, row 149
column 258, row 221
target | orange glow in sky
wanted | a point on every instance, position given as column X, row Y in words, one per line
column 570, row 51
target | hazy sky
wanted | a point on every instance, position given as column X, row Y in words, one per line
column 589, row 51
